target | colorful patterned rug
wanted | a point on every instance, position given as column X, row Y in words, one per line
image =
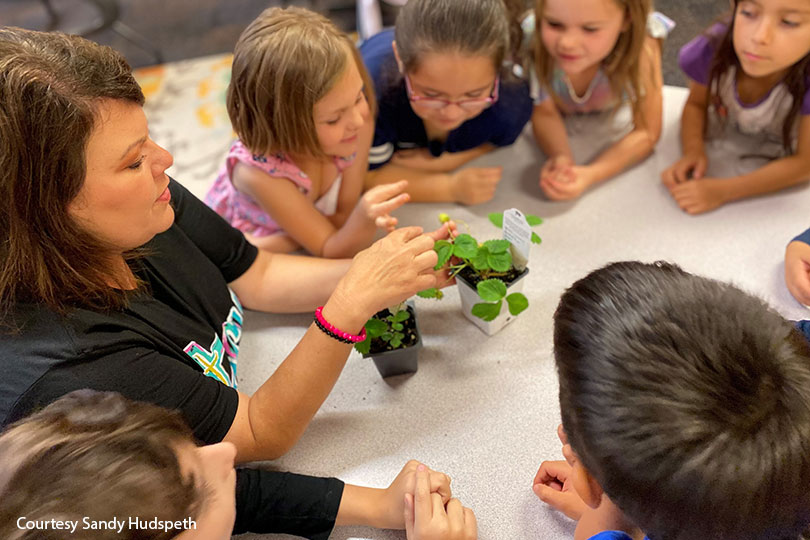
column 185, row 107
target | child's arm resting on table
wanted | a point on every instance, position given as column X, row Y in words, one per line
column 631, row 148
column 421, row 159
column 429, row 517
column 472, row 185
column 693, row 121
column 797, row 270
column 704, row 194
column 384, row 508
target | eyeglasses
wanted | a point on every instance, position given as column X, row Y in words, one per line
column 472, row 104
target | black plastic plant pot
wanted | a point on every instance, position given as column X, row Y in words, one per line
column 399, row 361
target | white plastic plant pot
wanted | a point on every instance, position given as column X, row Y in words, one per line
column 469, row 297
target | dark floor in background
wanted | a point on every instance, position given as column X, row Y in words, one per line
column 181, row 29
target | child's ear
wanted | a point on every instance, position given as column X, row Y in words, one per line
column 588, row 489
column 396, row 55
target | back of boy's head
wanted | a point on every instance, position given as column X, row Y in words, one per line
column 284, row 62
column 688, row 400
column 99, row 456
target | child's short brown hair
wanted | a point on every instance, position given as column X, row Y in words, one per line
column 99, row 456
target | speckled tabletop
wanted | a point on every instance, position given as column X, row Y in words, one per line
column 484, row 409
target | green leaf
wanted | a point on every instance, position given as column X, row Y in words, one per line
column 397, row 326
column 479, row 262
column 533, row 221
column 500, row 262
column 491, row 290
column 488, row 312
column 444, row 250
column 497, row 246
column 433, row 292
column 402, row 315
column 496, row 219
column 465, row 246
column 375, row 328
column 363, row 347
column 386, row 336
column 517, row 303
column 535, row 238
column 396, row 341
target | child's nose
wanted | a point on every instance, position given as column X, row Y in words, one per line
column 357, row 118
column 763, row 31
column 568, row 41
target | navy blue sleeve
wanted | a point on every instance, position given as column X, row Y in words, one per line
column 280, row 502
column 513, row 112
column 224, row 245
column 378, row 57
column 804, row 327
column 804, row 237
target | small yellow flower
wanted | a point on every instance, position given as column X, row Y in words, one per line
column 443, row 218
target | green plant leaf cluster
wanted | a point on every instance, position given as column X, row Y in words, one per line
column 388, row 328
column 490, row 260
column 493, row 293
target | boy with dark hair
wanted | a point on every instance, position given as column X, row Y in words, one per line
column 685, row 410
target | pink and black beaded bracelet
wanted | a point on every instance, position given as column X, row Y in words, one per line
column 335, row 332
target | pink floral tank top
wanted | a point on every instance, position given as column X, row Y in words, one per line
column 242, row 211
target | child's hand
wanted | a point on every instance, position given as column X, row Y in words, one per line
column 698, row 196
column 690, row 166
column 797, row 271
column 380, row 201
column 426, row 517
column 553, row 485
column 475, row 185
column 555, row 166
column 393, row 498
column 567, row 183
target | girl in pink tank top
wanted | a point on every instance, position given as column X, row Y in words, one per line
column 301, row 103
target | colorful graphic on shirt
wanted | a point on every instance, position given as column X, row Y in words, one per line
column 225, row 349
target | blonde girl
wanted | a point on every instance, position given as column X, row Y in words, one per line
column 301, row 103
column 749, row 99
column 594, row 56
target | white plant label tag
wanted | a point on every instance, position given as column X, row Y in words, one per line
column 517, row 230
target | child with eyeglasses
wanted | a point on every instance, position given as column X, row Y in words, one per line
column 302, row 105
column 445, row 97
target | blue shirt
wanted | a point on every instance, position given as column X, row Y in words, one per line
column 398, row 127
column 804, row 237
column 612, row 535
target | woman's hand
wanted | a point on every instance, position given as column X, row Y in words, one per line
column 378, row 202
column 427, row 518
column 391, row 270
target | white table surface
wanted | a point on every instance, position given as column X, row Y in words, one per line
column 484, row 409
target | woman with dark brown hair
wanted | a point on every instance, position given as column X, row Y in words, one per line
column 114, row 277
